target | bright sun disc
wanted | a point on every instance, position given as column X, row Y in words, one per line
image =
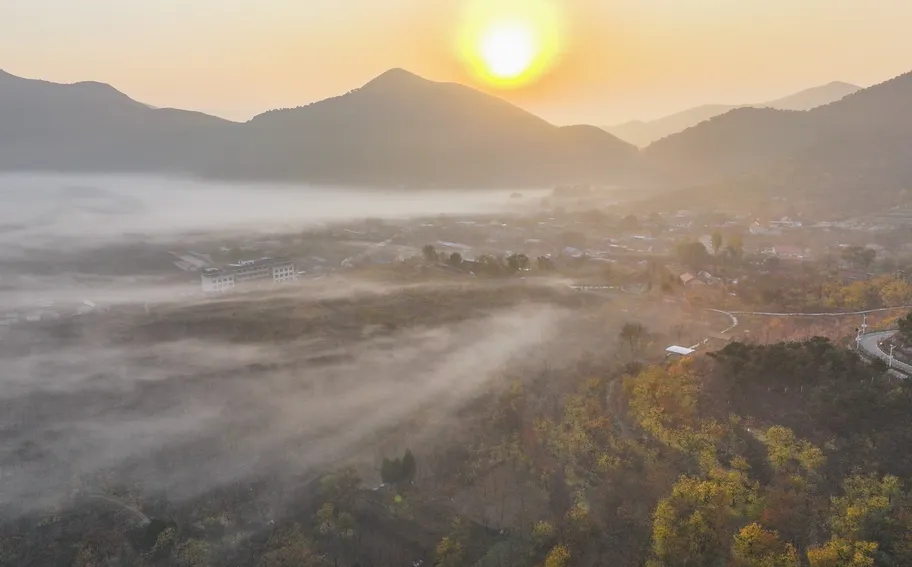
column 510, row 43
column 508, row 49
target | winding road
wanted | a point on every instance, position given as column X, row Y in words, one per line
column 870, row 343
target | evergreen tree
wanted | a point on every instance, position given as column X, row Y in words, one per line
column 385, row 471
column 408, row 466
column 395, row 471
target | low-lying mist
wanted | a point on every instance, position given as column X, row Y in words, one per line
column 188, row 415
column 66, row 211
column 166, row 400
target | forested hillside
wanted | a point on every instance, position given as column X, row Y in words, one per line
column 783, row 455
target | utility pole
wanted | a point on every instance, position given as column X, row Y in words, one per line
column 891, row 355
column 860, row 331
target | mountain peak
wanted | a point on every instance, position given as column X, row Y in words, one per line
column 842, row 84
column 9, row 76
column 396, row 77
column 398, row 130
column 95, row 87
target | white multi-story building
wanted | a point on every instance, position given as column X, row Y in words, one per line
column 219, row 280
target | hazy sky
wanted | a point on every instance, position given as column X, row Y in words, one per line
column 622, row 59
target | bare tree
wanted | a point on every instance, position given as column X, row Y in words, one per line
column 635, row 335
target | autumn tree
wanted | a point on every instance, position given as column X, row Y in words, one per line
column 874, row 509
column 694, row 525
column 693, row 255
column 578, row 527
column 859, row 257
column 843, row 553
column 895, row 293
column 517, row 262
column 789, row 503
column 429, row 253
column 335, row 527
column 164, row 544
column 756, row 547
column 192, row 553
column 663, row 401
column 291, row 548
column 340, row 486
column 789, row 453
column 96, row 549
column 543, row 533
column 716, row 241
column 559, row 556
column 866, row 505
column 450, row 552
column 735, row 248
column 544, row 264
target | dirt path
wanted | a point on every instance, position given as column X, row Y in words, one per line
column 133, row 511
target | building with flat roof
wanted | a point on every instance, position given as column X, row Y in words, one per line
column 679, row 350
column 220, row 280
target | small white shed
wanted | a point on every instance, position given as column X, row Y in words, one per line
column 679, row 350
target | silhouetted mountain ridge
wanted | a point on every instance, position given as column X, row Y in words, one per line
column 854, row 154
column 813, row 97
column 398, row 129
column 90, row 126
column 642, row 133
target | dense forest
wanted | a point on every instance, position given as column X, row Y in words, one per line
column 789, row 454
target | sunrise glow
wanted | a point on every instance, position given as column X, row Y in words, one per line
column 510, row 43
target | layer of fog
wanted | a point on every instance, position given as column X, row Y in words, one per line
column 66, row 211
column 65, row 294
column 187, row 416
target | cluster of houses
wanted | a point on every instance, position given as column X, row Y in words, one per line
column 46, row 312
column 701, row 278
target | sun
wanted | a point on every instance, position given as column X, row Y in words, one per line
column 509, row 49
column 510, row 43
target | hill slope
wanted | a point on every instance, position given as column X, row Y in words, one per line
column 402, row 129
column 643, row 133
column 93, row 127
column 399, row 129
column 814, row 96
column 856, row 152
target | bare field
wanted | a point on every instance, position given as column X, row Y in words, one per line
column 192, row 396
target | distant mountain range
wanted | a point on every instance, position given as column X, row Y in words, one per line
column 851, row 155
column 400, row 130
column 642, row 133
column 397, row 130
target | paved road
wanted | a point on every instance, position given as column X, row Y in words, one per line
column 822, row 314
column 870, row 343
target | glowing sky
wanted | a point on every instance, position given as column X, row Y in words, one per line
column 621, row 59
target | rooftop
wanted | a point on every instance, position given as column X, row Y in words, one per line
column 266, row 261
column 259, row 262
column 683, row 351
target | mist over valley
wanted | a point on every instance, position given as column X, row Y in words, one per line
column 416, row 324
